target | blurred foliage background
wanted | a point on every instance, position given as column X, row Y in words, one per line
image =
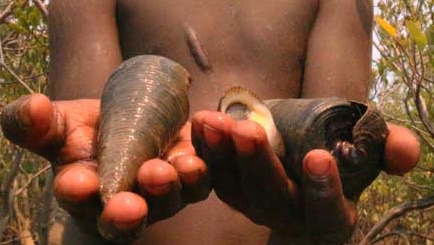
column 399, row 210
column 25, row 190
column 394, row 210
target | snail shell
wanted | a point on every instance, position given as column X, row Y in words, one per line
column 143, row 106
column 242, row 104
column 353, row 132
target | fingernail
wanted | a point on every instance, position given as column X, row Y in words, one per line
column 158, row 190
column 245, row 146
column 190, row 169
column 212, row 136
column 76, row 184
column 123, row 217
column 318, row 168
column 191, row 177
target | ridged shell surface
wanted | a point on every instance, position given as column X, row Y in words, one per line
column 329, row 123
column 354, row 133
column 143, row 107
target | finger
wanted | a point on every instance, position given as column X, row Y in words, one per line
column 44, row 127
column 77, row 181
column 402, row 150
column 182, row 145
column 269, row 194
column 79, row 119
column 209, row 131
column 31, row 122
column 76, row 188
column 197, row 131
column 159, row 183
column 330, row 217
column 218, row 153
column 157, row 177
column 192, row 171
column 193, row 174
column 123, row 217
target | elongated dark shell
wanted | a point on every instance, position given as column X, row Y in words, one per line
column 144, row 105
column 353, row 132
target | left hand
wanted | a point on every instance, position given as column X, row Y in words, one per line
column 64, row 132
column 249, row 177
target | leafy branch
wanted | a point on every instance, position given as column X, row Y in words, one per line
column 395, row 213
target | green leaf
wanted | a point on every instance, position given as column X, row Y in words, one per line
column 429, row 33
column 416, row 34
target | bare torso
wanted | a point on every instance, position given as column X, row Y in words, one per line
column 257, row 44
column 261, row 45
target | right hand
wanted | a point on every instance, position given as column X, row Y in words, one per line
column 64, row 132
column 248, row 176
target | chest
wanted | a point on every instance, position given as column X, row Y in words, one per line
column 223, row 26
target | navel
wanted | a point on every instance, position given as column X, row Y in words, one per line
column 197, row 50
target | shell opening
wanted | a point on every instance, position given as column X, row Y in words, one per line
column 339, row 127
column 242, row 104
column 348, row 155
column 238, row 111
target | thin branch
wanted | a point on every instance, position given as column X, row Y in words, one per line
column 392, row 118
column 6, row 12
column 21, row 49
column 35, row 176
column 45, row 209
column 421, row 134
column 5, row 190
column 395, row 213
column 16, row 77
column 407, row 109
column 421, row 236
column 418, row 187
column 41, row 6
column 24, row 225
column 10, row 241
column 425, row 168
column 393, row 233
column 423, row 111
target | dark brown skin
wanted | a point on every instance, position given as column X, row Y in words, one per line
column 288, row 48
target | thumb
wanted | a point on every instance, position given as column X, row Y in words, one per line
column 30, row 122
